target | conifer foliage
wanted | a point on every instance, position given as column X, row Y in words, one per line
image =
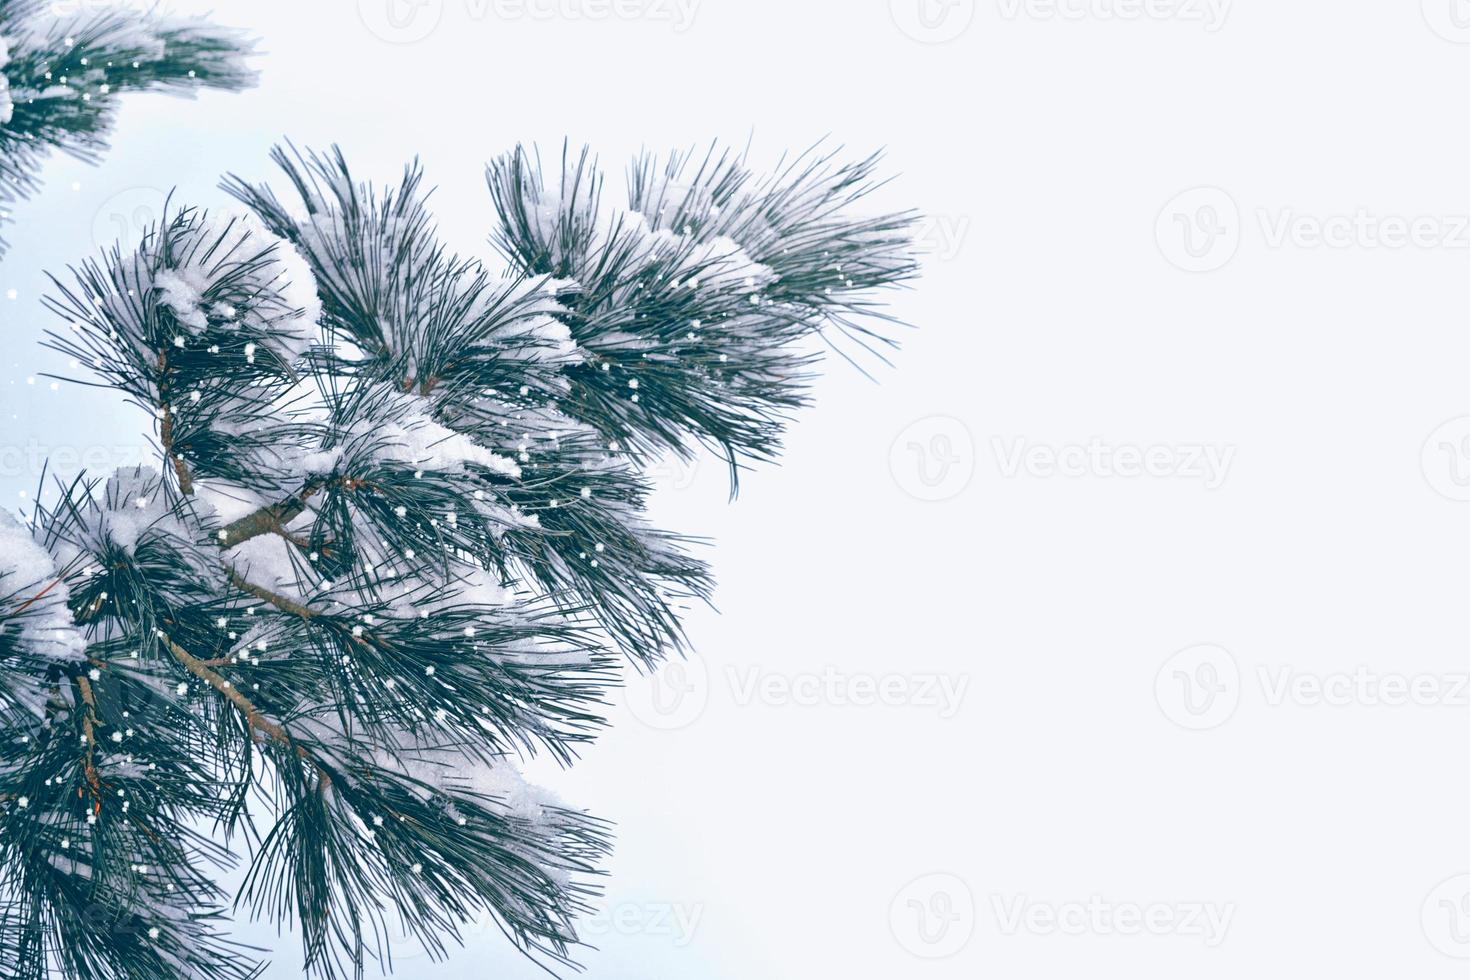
column 396, row 545
column 64, row 63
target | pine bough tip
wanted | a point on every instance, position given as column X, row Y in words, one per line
column 61, row 77
column 398, row 544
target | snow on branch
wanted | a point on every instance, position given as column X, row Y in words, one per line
column 398, row 544
column 61, row 76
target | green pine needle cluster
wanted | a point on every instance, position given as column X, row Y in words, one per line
column 61, row 77
column 397, row 545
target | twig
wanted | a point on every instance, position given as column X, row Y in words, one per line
column 32, row 600
column 256, row 720
column 89, row 730
column 266, row 595
column 268, row 519
column 166, row 430
column 181, row 469
column 231, row 693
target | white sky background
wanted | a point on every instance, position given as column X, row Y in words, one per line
column 1056, row 317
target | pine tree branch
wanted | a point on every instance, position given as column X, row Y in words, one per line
column 266, row 595
column 229, row 691
column 253, row 716
column 181, row 469
column 467, row 466
column 166, row 429
column 269, row 519
column 61, row 80
column 89, row 731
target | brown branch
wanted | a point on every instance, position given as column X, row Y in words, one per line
column 301, row 542
column 257, row 721
column 166, row 436
column 281, row 602
column 231, row 693
column 267, row 520
column 166, row 428
column 144, row 827
column 89, row 729
column 272, row 519
column 32, row 600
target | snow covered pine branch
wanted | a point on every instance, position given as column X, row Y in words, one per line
column 397, row 546
column 60, row 77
